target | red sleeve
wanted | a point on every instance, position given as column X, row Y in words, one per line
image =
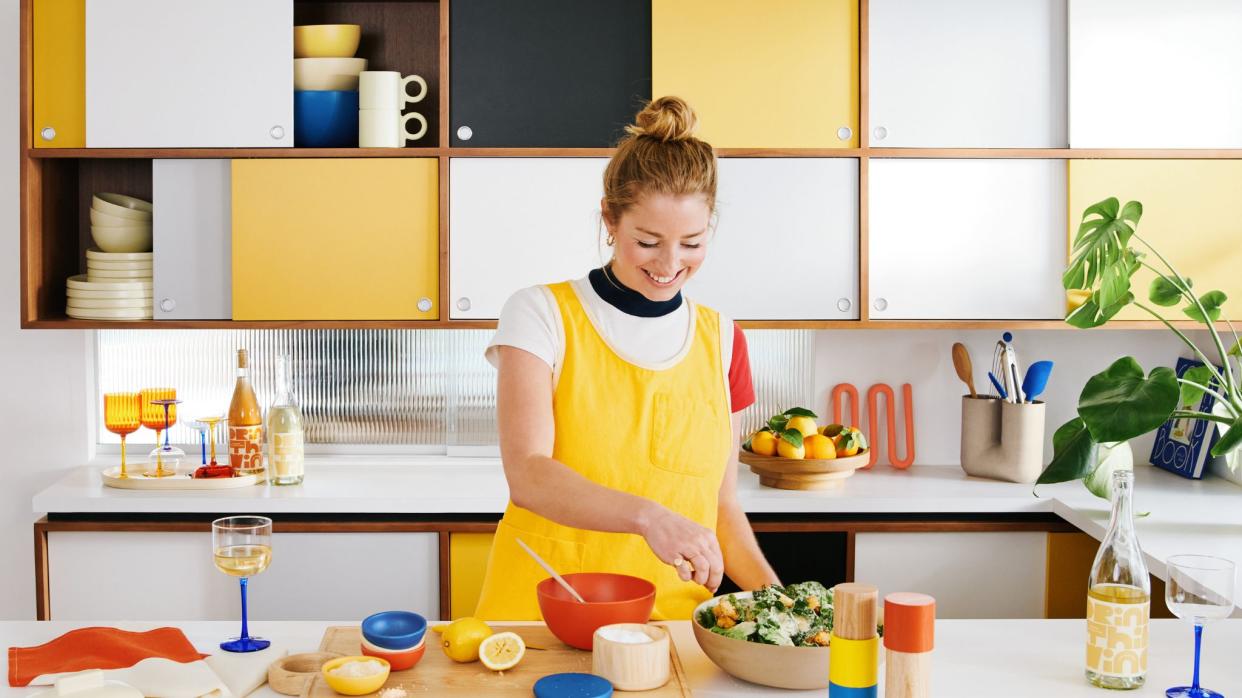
column 741, row 388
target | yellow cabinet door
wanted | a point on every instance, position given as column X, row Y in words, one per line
column 467, row 562
column 761, row 74
column 1187, row 216
column 335, row 239
column 58, row 69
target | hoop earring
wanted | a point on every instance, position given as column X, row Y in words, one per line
column 611, row 240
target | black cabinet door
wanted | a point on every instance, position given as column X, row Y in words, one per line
column 547, row 73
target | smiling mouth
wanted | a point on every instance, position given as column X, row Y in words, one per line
column 663, row 280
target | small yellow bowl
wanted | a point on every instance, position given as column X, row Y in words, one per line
column 355, row 686
column 326, row 40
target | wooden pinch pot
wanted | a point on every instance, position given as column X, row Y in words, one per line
column 289, row 675
column 632, row 666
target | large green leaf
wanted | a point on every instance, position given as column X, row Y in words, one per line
column 1119, row 404
column 1110, row 458
column 1230, row 439
column 1073, row 454
column 1211, row 302
column 1101, row 241
column 1164, row 291
column 1090, row 314
column 1191, row 394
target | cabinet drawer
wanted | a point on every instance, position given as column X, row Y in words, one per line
column 339, row 239
column 468, row 554
column 58, row 74
column 930, row 87
column 966, row 239
column 761, row 74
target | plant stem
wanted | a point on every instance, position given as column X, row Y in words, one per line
column 1202, row 357
column 1205, row 389
column 1200, row 415
column 1230, row 386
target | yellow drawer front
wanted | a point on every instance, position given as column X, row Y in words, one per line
column 761, row 74
column 1187, row 216
column 347, row 239
column 58, row 64
column 467, row 563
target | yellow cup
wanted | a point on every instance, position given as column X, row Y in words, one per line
column 326, row 40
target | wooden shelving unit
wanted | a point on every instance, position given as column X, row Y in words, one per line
column 56, row 183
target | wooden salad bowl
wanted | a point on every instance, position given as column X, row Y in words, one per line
column 804, row 473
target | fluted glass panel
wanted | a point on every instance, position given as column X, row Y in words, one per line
column 782, row 363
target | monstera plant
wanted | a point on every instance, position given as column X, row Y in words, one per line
column 1123, row 401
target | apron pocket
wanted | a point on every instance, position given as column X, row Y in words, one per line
column 681, row 440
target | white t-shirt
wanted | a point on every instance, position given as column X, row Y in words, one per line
column 531, row 321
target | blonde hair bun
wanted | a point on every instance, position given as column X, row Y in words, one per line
column 665, row 119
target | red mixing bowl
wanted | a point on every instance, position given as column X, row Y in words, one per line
column 610, row 598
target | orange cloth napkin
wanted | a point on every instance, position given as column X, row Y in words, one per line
column 97, row 648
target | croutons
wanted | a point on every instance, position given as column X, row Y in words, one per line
column 785, row 601
column 725, row 622
column 812, row 603
column 724, row 609
column 822, row 638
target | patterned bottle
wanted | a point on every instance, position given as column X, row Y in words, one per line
column 245, row 424
column 1118, row 599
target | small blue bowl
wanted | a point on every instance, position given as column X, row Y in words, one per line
column 394, row 630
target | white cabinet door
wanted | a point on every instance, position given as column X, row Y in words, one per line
column 193, row 239
column 968, row 73
column 971, row 575
column 518, row 222
column 967, row 239
column 786, row 241
column 189, row 74
column 97, row 576
column 1155, row 74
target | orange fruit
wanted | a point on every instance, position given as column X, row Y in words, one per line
column 787, row 450
column 848, row 442
column 763, row 443
column 819, row 446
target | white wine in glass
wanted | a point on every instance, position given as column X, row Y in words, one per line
column 242, row 547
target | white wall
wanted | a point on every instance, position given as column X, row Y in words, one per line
column 43, row 375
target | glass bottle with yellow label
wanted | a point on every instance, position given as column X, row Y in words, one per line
column 1119, row 599
column 245, row 423
column 285, row 450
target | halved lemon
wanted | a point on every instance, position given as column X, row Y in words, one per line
column 502, row 651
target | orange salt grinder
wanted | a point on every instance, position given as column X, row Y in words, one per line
column 909, row 636
column 873, row 423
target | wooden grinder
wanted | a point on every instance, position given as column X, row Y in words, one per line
column 909, row 630
column 854, row 668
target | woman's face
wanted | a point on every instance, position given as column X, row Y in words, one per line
column 660, row 242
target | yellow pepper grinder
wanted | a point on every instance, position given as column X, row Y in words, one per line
column 854, row 670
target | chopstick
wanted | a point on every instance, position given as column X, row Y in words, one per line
column 548, row 568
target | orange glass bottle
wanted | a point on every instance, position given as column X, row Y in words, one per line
column 245, row 423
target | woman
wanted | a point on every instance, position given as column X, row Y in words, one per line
column 619, row 399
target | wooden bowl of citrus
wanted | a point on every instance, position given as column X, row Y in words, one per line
column 792, row 452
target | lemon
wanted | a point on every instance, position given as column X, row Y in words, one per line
column 819, row 446
column 763, row 443
column 787, row 450
column 502, row 651
column 806, row 425
column 460, row 639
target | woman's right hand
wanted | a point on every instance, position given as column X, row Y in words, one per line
column 676, row 539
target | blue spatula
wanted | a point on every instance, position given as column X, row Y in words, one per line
column 1036, row 379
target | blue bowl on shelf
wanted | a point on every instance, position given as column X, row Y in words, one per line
column 325, row 119
column 394, row 630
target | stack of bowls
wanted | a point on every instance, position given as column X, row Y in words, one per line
column 398, row 637
column 121, row 223
column 325, row 83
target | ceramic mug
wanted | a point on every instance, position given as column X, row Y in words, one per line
column 386, row 89
column 387, row 128
column 325, row 119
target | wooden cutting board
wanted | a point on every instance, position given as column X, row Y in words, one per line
column 437, row 675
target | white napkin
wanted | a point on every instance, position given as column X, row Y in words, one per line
column 157, row 677
column 243, row 672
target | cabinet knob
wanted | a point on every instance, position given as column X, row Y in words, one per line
column 168, row 305
column 48, row 133
column 464, row 132
column 880, row 304
column 278, row 132
column 879, row 133
column 424, row 304
column 844, row 133
column 463, row 303
column 843, row 304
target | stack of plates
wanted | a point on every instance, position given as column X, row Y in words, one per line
column 118, row 266
column 111, row 298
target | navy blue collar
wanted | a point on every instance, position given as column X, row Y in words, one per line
column 627, row 300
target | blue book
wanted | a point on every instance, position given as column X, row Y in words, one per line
column 1183, row 445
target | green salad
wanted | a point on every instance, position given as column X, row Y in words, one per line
column 798, row 615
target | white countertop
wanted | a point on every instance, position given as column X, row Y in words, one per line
column 1184, row 516
column 973, row 658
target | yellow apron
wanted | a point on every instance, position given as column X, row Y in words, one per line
column 661, row 434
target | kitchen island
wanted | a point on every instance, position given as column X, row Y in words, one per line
column 973, row 658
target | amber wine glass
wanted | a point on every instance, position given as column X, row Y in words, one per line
column 153, row 417
column 122, row 417
column 242, row 546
